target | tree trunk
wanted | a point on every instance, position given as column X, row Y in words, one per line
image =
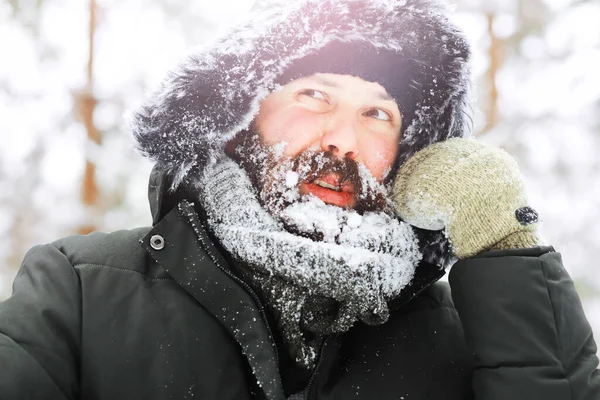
column 90, row 193
column 494, row 53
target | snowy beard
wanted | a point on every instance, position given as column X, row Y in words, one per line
column 276, row 178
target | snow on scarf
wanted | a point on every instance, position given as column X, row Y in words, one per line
column 349, row 276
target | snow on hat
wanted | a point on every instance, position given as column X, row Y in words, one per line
column 407, row 46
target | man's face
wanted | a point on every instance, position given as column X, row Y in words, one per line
column 323, row 141
column 351, row 120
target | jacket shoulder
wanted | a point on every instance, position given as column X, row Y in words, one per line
column 120, row 249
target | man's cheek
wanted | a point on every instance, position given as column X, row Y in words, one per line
column 301, row 132
column 296, row 141
column 379, row 163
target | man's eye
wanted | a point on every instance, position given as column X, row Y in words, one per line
column 379, row 114
column 315, row 94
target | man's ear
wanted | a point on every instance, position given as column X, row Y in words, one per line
column 242, row 139
column 231, row 146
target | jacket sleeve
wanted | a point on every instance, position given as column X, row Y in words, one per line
column 40, row 329
column 525, row 325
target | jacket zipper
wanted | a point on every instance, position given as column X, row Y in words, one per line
column 261, row 309
column 307, row 393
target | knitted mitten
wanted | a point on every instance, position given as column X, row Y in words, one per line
column 474, row 191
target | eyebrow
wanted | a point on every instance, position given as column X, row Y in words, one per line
column 379, row 94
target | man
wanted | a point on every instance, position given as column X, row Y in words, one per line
column 277, row 266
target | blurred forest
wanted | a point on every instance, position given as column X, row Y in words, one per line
column 71, row 70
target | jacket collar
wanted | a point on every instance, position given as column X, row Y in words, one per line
column 161, row 197
column 189, row 256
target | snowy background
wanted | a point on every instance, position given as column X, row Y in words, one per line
column 67, row 162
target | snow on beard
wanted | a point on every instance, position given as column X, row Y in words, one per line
column 276, row 178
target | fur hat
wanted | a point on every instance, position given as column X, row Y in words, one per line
column 408, row 46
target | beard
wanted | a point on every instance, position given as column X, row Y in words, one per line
column 276, row 179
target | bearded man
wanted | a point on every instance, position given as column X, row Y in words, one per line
column 312, row 184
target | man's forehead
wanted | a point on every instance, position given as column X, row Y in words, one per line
column 345, row 81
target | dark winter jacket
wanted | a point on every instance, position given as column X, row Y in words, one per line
column 158, row 313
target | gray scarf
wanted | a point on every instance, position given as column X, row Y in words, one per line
column 313, row 288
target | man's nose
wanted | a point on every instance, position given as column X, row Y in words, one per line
column 340, row 138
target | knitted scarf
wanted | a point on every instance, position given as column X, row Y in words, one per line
column 312, row 288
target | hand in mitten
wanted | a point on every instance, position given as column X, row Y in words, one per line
column 474, row 191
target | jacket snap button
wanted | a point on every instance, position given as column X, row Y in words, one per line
column 157, row 242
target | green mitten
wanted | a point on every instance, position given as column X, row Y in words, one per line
column 474, row 191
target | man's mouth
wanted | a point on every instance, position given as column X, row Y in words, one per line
column 326, row 185
column 330, row 190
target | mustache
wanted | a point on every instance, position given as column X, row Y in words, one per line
column 267, row 168
column 315, row 164
column 311, row 165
